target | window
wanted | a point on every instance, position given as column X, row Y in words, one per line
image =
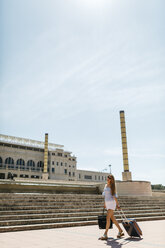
column 40, row 164
column 65, row 164
column 69, row 173
column 53, row 154
column 73, row 166
column 61, row 164
column 52, row 162
column 59, row 154
column 102, row 178
column 9, row 160
column 73, row 174
column 65, row 171
column 95, row 177
column 20, row 162
column 34, row 176
column 0, row 160
column 57, row 163
column 99, row 177
column 66, row 156
column 29, row 148
column 53, row 170
column 24, row 176
column 79, row 175
column 87, row 177
column 30, row 163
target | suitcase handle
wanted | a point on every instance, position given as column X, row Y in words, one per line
column 122, row 215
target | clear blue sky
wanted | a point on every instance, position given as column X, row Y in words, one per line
column 69, row 66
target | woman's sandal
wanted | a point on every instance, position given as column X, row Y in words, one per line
column 104, row 237
column 120, row 234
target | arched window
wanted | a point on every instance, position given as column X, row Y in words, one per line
column 9, row 160
column 20, row 162
column 1, row 160
column 30, row 163
column 40, row 164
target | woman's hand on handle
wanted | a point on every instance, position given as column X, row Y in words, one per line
column 118, row 206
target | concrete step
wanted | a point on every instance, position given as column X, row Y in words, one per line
column 63, row 197
column 51, row 196
column 38, row 211
column 71, row 218
column 67, row 206
column 11, row 201
column 65, row 224
column 71, row 196
column 46, row 220
column 71, row 205
column 44, row 216
column 48, row 207
column 71, row 210
column 46, row 226
column 74, row 214
column 69, row 201
column 129, row 214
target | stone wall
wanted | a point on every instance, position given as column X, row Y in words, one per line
column 131, row 188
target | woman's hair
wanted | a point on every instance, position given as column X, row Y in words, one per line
column 112, row 184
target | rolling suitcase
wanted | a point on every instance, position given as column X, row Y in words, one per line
column 130, row 225
column 102, row 221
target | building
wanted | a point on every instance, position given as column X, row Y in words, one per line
column 25, row 158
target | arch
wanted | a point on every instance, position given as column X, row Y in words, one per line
column 30, row 163
column 20, row 161
column 40, row 164
column 9, row 160
column 1, row 161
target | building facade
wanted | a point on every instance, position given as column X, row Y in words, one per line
column 24, row 158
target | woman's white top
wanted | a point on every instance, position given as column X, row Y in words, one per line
column 109, row 199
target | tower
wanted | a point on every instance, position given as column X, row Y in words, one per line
column 126, row 175
column 45, row 173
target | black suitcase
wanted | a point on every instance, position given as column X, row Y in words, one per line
column 102, row 221
column 130, row 225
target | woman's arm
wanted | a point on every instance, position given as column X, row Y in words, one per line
column 117, row 204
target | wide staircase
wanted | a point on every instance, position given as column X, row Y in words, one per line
column 20, row 212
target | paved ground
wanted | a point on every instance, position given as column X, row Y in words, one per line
column 85, row 237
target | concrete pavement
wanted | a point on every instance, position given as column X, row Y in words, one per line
column 85, row 237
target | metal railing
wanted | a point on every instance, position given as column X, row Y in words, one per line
column 20, row 168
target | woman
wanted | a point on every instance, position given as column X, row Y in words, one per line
column 111, row 204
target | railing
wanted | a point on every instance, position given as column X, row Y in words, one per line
column 19, row 167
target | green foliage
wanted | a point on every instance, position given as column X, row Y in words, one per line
column 158, row 186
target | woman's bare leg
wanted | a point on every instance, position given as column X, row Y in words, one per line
column 109, row 215
column 116, row 223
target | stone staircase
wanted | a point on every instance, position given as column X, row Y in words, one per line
column 20, row 212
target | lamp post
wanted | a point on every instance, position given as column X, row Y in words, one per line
column 110, row 167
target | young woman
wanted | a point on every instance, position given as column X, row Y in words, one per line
column 111, row 204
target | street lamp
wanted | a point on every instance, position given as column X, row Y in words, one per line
column 110, row 167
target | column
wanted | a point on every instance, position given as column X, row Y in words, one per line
column 45, row 173
column 126, row 174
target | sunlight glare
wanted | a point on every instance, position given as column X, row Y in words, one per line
column 93, row 3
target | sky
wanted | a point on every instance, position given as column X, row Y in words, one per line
column 67, row 67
